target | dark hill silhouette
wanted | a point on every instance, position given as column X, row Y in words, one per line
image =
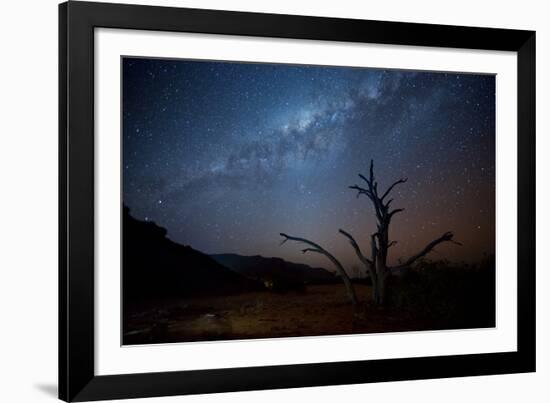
column 155, row 266
column 273, row 268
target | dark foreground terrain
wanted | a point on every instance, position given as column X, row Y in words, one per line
column 321, row 310
column 174, row 293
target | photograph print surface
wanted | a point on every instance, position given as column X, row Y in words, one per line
column 274, row 200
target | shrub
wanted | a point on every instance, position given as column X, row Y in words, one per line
column 459, row 295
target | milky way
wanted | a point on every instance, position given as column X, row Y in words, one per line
column 226, row 156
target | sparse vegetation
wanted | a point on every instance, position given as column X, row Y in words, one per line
column 448, row 295
column 431, row 296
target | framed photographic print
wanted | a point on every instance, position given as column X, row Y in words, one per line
column 255, row 201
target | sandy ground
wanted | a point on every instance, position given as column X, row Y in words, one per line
column 321, row 310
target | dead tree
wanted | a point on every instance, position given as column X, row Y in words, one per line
column 318, row 249
column 376, row 265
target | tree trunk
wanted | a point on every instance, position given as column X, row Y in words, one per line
column 381, row 258
column 379, row 287
column 375, row 295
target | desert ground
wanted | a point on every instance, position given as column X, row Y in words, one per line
column 320, row 310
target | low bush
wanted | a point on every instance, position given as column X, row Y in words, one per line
column 450, row 295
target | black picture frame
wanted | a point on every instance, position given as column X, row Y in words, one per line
column 77, row 379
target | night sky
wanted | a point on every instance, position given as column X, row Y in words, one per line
column 226, row 156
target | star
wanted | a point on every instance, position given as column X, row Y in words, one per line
column 226, row 155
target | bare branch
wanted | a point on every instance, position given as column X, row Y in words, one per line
column 373, row 197
column 365, row 179
column 358, row 252
column 319, row 249
column 361, row 191
column 387, row 192
column 446, row 237
column 397, row 210
column 392, row 243
column 372, row 193
column 371, row 170
column 303, row 240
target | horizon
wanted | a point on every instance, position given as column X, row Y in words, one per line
column 351, row 270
